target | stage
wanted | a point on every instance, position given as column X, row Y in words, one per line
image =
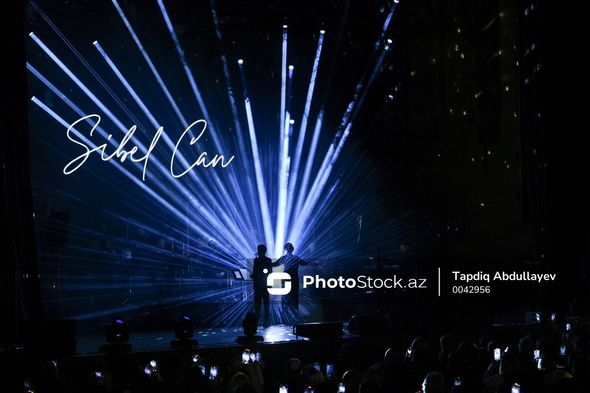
column 157, row 340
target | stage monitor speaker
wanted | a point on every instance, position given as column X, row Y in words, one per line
column 318, row 330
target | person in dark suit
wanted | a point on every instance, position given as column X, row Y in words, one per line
column 260, row 271
column 291, row 263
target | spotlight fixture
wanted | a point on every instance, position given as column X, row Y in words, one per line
column 117, row 337
column 183, row 332
column 117, row 332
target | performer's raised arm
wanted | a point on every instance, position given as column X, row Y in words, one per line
column 278, row 262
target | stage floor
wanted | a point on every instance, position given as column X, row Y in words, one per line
column 214, row 337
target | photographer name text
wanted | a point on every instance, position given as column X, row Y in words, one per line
column 510, row 276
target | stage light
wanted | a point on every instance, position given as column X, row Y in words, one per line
column 283, row 170
column 128, row 87
column 77, row 81
column 184, row 328
column 249, row 214
column 186, row 68
column 309, row 163
column 117, row 332
column 151, row 66
column 234, row 191
column 117, row 337
column 183, row 333
column 294, row 171
column 264, row 208
column 240, row 61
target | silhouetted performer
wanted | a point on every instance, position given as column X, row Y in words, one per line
column 262, row 268
column 291, row 263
